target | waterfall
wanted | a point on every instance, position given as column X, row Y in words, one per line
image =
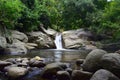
column 58, row 41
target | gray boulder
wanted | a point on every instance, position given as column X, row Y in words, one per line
column 17, row 49
column 63, row 75
column 104, row 75
column 4, row 64
column 41, row 39
column 16, row 72
column 19, row 36
column 76, row 38
column 92, row 61
column 3, row 42
column 81, row 75
column 51, row 69
column 111, row 62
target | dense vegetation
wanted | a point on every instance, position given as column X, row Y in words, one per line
column 100, row 16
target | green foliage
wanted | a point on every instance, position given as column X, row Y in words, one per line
column 10, row 12
column 29, row 19
column 36, row 12
column 75, row 13
column 100, row 16
column 111, row 19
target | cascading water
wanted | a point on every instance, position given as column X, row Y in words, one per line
column 58, row 41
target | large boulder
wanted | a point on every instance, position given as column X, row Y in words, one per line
column 41, row 39
column 76, row 38
column 16, row 72
column 3, row 42
column 3, row 45
column 51, row 69
column 16, row 48
column 63, row 75
column 19, row 36
column 81, row 75
column 92, row 61
column 3, row 64
column 51, row 32
column 104, row 75
column 111, row 62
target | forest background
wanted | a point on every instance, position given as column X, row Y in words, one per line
column 99, row 16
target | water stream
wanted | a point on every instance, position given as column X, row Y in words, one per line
column 58, row 41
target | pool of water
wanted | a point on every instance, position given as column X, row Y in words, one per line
column 53, row 55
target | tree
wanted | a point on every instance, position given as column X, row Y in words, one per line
column 10, row 12
column 75, row 13
column 111, row 19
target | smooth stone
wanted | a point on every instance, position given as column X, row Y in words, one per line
column 63, row 75
column 104, row 75
column 81, row 75
column 16, row 72
column 93, row 60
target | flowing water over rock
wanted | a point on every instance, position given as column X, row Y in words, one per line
column 58, row 41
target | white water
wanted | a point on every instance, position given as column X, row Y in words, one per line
column 58, row 41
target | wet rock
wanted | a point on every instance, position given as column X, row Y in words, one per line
column 63, row 75
column 37, row 64
column 93, row 59
column 16, row 72
column 104, row 75
column 25, row 60
column 33, row 74
column 51, row 69
column 12, row 60
column 22, row 64
column 7, row 67
column 18, row 59
column 81, row 75
column 3, row 64
column 111, row 62
column 79, row 61
column 69, row 70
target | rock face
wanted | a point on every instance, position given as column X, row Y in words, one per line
column 111, row 62
column 19, row 36
column 16, row 72
column 41, row 39
column 17, row 48
column 3, row 42
column 81, row 75
column 92, row 61
column 75, row 38
column 104, row 75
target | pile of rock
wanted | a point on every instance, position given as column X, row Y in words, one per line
column 98, row 65
column 19, row 43
column 15, row 68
